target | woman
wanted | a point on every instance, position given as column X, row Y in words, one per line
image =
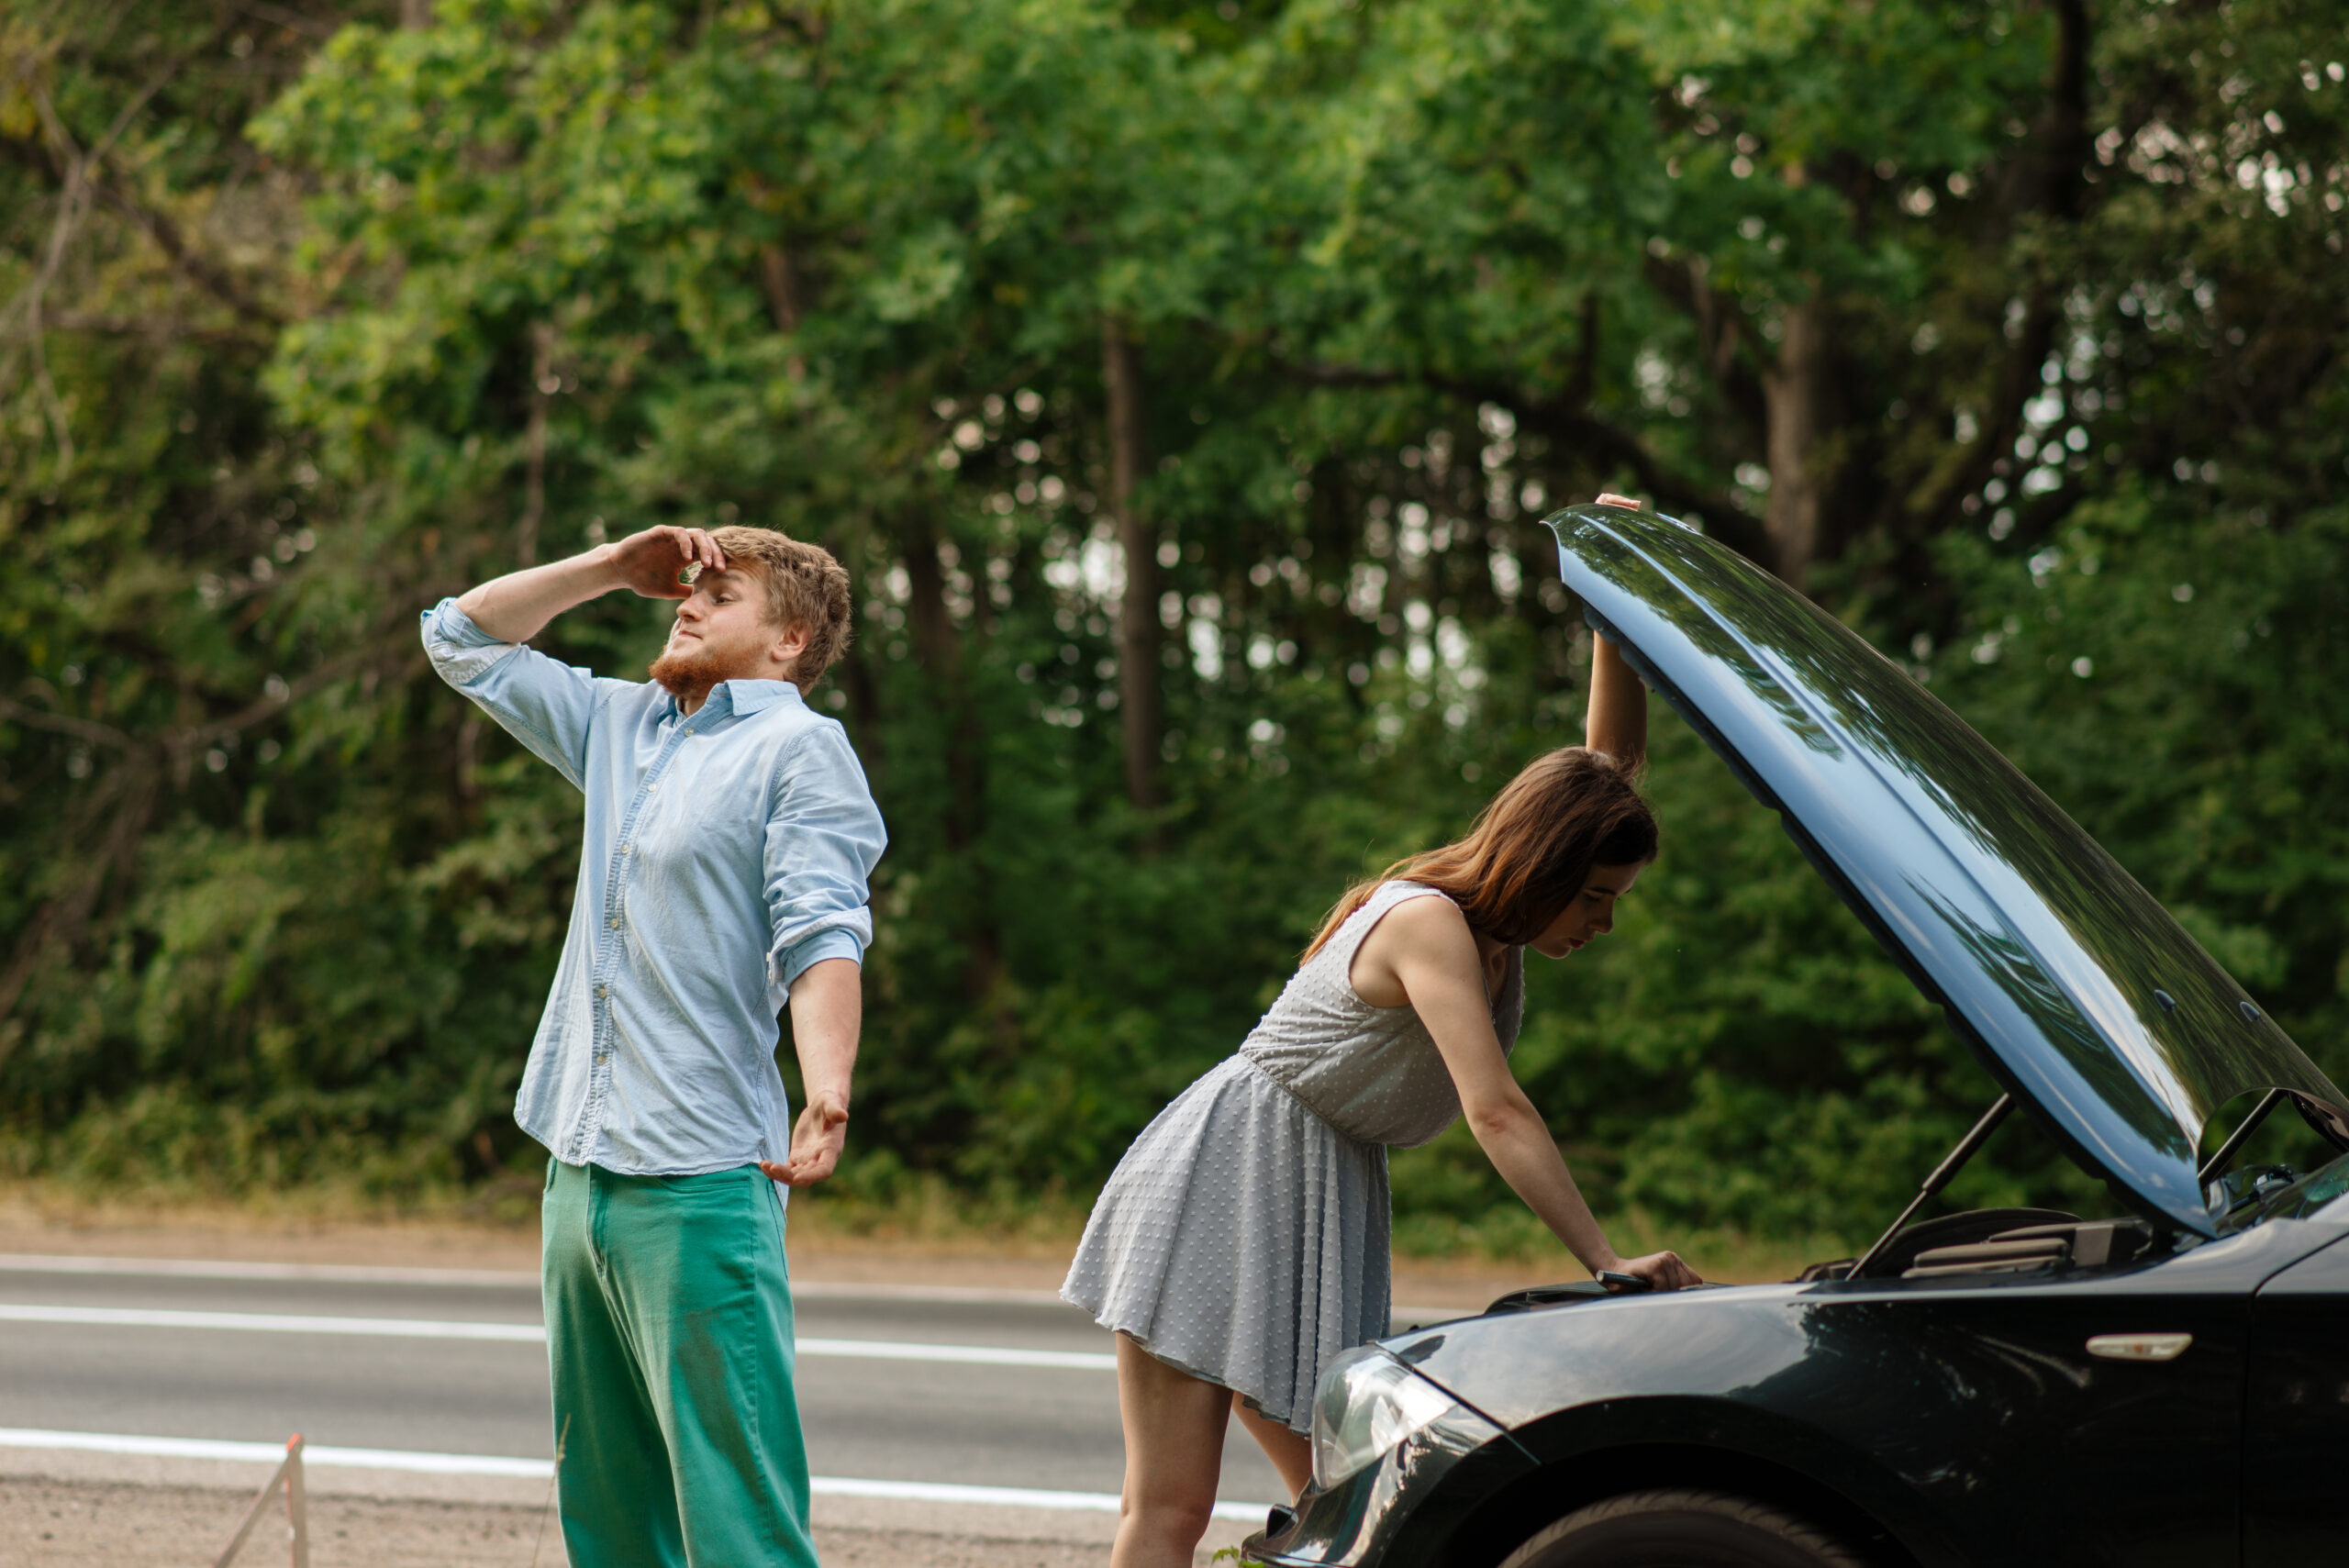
column 1243, row 1241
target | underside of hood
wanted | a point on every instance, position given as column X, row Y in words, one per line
column 2081, row 994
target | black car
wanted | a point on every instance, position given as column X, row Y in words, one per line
column 2165, row 1385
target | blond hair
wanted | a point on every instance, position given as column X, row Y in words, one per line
column 806, row 588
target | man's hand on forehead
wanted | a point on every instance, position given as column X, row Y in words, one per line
column 662, row 562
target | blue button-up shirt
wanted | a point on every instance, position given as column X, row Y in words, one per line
column 725, row 852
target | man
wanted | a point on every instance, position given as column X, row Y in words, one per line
column 730, row 836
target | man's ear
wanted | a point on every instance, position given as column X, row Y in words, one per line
column 786, row 648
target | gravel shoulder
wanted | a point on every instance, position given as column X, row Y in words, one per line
column 69, row 1524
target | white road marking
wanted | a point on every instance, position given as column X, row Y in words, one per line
column 511, row 1279
column 312, row 1453
column 540, row 1469
column 269, row 1323
column 1000, row 1496
column 528, row 1333
column 204, row 1268
column 972, row 1355
column 964, row 1295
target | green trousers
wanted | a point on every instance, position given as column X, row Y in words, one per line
column 668, row 1336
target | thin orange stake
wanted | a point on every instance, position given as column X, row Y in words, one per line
column 297, row 1520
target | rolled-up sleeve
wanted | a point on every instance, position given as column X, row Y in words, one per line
column 545, row 704
column 824, row 837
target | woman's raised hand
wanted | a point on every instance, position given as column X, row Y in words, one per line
column 1662, row 1271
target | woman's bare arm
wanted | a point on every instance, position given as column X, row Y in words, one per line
column 1425, row 945
column 1617, row 721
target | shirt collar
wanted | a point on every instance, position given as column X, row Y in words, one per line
column 736, row 698
column 749, row 696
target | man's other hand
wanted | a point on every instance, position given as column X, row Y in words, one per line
column 649, row 562
column 815, row 1141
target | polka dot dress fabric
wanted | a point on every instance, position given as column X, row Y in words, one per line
column 1243, row 1238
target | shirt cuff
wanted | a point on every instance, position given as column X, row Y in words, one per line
column 447, row 623
column 831, row 942
column 459, row 650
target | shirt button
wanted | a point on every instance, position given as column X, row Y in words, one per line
column 689, row 732
column 602, row 990
column 602, row 1057
column 625, row 848
column 616, row 922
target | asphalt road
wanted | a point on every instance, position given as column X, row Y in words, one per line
column 877, row 1416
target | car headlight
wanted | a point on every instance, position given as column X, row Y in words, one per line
column 1369, row 1403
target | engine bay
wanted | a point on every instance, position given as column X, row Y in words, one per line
column 1979, row 1241
column 1999, row 1241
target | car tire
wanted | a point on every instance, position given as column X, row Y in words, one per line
column 1680, row 1529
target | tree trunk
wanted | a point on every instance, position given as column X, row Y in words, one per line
column 132, row 789
column 786, row 298
column 1790, row 394
column 534, row 445
column 939, row 650
column 416, row 14
column 1137, row 630
column 779, row 277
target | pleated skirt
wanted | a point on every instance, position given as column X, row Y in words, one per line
column 1242, row 1239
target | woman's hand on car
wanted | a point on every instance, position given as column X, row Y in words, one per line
column 1662, row 1271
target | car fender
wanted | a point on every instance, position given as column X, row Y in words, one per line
column 1591, row 1452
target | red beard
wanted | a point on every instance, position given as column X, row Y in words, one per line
column 687, row 677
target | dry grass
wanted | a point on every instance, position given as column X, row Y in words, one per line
column 837, row 1236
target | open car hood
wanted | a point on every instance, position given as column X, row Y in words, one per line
column 2080, row 993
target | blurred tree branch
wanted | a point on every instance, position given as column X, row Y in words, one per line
column 1572, row 427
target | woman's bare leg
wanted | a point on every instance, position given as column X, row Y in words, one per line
column 1174, row 1425
column 1291, row 1453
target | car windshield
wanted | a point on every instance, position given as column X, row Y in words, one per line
column 2326, row 1187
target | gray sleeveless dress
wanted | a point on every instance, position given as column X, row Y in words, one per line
column 1243, row 1238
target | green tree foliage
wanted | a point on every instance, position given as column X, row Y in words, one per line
column 1181, row 385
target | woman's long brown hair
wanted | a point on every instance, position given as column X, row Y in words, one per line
column 1530, row 850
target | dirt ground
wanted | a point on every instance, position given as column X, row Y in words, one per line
column 65, row 1524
